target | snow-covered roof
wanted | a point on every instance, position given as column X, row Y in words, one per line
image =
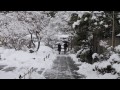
column 118, row 35
column 29, row 36
column 119, row 21
column 64, row 36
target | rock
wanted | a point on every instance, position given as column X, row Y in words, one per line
column 31, row 51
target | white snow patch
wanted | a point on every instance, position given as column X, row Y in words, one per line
column 94, row 17
column 106, row 26
column 23, row 61
column 73, row 56
column 103, row 64
column 86, row 69
column 104, row 16
column 76, row 23
column 95, row 23
column 118, row 35
column 101, row 22
column 86, row 19
column 95, row 55
column 103, row 44
column 116, row 67
column 117, row 48
column 114, row 57
column 108, row 76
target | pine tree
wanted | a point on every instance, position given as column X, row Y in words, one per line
column 99, row 26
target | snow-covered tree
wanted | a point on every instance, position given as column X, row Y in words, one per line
column 16, row 25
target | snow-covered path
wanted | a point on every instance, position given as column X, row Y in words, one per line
column 63, row 68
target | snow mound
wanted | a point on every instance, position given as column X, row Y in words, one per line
column 86, row 19
column 103, row 44
column 117, row 48
column 73, row 56
column 114, row 57
column 95, row 55
column 103, row 64
column 87, row 70
column 108, row 76
column 116, row 67
column 76, row 23
column 106, row 26
column 101, row 22
column 23, row 61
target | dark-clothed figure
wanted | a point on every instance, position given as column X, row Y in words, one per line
column 65, row 47
column 59, row 48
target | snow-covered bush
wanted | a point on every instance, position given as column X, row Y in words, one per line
column 16, row 25
column 104, row 67
column 84, row 55
column 117, row 49
column 103, row 44
column 95, row 57
column 108, row 62
column 117, row 68
column 114, row 58
column 111, row 65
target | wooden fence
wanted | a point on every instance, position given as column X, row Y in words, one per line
column 29, row 73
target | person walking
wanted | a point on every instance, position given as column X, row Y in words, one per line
column 65, row 47
column 59, row 48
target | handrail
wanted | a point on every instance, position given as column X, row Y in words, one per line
column 28, row 73
column 31, row 70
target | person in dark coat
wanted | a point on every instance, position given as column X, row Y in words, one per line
column 59, row 48
column 65, row 47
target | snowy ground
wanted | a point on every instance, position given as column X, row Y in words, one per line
column 87, row 69
column 14, row 63
column 63, row 68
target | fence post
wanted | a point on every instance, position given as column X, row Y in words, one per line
column 24, row 75
column 20, row 77
column 31, row 70
column 30, row 73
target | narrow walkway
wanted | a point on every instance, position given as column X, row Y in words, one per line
column 63, row 68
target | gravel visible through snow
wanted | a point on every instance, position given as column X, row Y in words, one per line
column 63, row 68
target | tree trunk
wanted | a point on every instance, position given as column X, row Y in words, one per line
column 31, row 42
column 38, row 46
column 113, row 34
column 94, row 43
column 38, row 41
